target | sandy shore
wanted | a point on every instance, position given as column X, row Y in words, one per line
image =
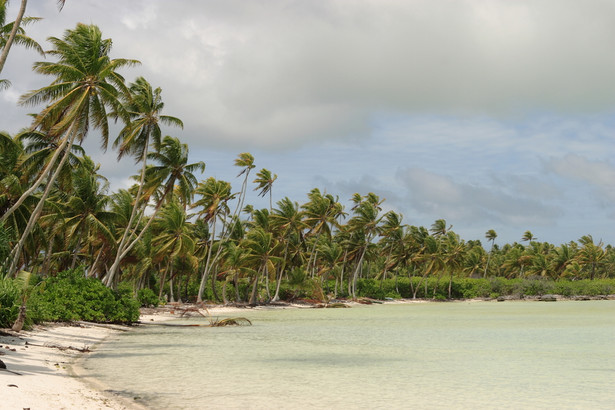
column 45, row 362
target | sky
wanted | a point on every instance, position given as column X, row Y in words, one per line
column 490, row 114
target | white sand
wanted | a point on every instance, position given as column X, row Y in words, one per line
column 46, row 380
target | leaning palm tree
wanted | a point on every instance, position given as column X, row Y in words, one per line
column 172, row 169
column 215, row 195
column 264, row 180
column 144, row 106
column 86, row 84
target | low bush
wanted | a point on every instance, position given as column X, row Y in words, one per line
column 9, row 302
column 70, row 296
column 147, row 298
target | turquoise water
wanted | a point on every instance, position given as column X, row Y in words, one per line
column 434, row 355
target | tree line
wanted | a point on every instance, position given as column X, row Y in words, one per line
column 193, row 237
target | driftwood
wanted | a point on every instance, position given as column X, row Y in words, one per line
column 84, row 349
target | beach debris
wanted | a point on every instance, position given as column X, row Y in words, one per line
column 84, row 349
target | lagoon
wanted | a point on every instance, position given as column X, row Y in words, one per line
column 422, row 355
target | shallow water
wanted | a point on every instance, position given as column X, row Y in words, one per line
column 432, row 355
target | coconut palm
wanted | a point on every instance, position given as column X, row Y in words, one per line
column 364, row 224
column 174, row 237
column 215, row 195
column 590, row 254
column 172, row 169
column 85, row 215
column 245, row 161
column 287, row 222
column 86, row 83
column 264, row 180
column 143, row 106
column 490, row 235
column 261, row 255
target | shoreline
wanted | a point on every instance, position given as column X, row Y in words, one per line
column 49, row 357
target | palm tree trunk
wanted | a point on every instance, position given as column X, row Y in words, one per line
column 9, row 41
column 356, row 273
column 16, row 253
column 276, row 297
column 255, row 288
column 122, row 244
column 114, row 268
column 199, row 296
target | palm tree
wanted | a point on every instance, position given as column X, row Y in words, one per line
column 215, row 195
column 174, row 239
column 245, row 160
column 264, row 181
column 86, row 82
column 261, row 250
column 144, row 106
column 490, row 235
column 364, row 224
column 173, row 169
column 12, row 33
column 590, row 254
column 86, row 217
column 528, row 237
column 287, row 221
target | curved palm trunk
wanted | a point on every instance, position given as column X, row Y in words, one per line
column 356, row 273
column 11, row 39
column 133, row 213
column 108, row 280
column 16, row 253
column 276, row 297
column 255, row 288
column 199, row 296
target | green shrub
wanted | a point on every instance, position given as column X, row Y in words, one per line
column 147, row 298
column 9, row 302
column 71, row 296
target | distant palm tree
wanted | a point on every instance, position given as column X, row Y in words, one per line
column 264, row 180
column 490, row 235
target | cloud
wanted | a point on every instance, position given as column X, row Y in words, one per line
column 441, row 196
column 600, row 175
column 287, row 72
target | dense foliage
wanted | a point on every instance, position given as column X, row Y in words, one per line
column 70, row 296
column 179, row 235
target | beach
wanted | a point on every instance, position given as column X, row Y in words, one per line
column 46, row 360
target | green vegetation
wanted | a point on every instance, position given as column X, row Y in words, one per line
column 70, row 296
column 178, row 235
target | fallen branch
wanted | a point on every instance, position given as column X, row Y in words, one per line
column 84, row 349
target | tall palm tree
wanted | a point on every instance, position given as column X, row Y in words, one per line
column 215, row 195
column 245, row 161
column 172, row 168
column 365, row 224
column 174, row 239
column 262, row 256
column 143, row 106
column 490, row 235
column 287, row 221
column 86, row 83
